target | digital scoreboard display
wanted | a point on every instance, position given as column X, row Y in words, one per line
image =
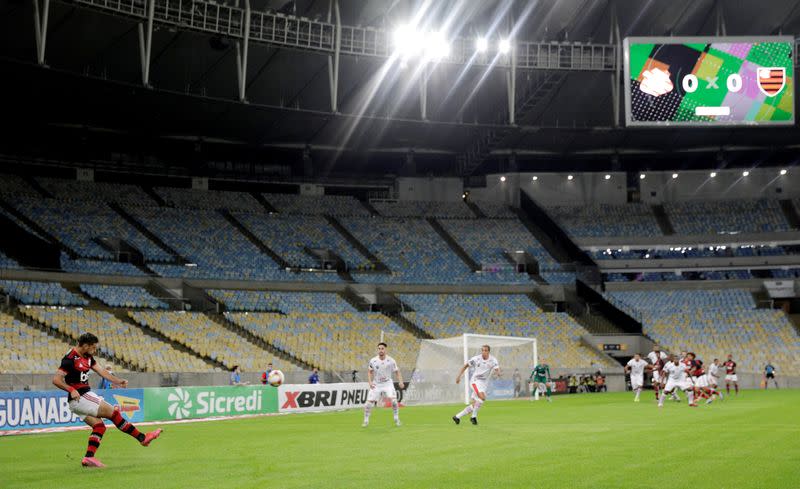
column 701, row 81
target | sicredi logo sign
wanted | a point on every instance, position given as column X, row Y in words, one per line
column 313, row 397
column 181, row 403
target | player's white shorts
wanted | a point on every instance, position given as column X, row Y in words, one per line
column 477, row 385
column 385, row 389
column 656, row 377
column 637, row 381
column 712, row 380
column 679, row 384
column 701, row 381
column 731, row 378
column 87, row 405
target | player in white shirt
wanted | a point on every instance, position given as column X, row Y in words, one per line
column 636, row 367
column 677, row 378
column 712, row 376
column 483, row 366
column 380, row 371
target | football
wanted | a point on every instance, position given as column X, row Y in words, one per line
column 275, row 378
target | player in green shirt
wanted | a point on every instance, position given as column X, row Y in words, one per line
column 540, row 375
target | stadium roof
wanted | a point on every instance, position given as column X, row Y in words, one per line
column 93, row 78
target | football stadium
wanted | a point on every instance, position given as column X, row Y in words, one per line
column 399, row 244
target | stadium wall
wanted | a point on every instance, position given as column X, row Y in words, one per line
column 550, row 189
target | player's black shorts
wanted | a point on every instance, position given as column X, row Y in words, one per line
column 771, row 375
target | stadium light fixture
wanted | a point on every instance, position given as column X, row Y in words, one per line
column 481, row 44
column 436, row 46
column 504, row 46
column 608, row 177
column 642, row 176
column 407, row 41
column 503, row 178
column 674, row 176
column 783, row 172
column 745, row 173
column 570, row 177
column 535, row 178
column 713, row 174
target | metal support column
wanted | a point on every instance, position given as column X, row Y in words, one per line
column 511, row 86
column 241, row 54
column 40, row 20
column 423, row 93
column 616, row 75
column 720, row 20
column 333, row 60
column 146, row 43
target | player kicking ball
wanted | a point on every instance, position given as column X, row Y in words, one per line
column 540, row 375
column 483, row 366
column 380, row 371
column 73, row 376
column 677, row 378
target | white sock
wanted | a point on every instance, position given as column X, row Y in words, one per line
column 676, row 396
column 464, row 412
column 395, row 410
column 690, row 396
column 367, row 411
column 638, row 391
column 475, row 408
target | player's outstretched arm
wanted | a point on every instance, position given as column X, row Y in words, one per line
column 461, row 372
column 109, row 376
column 58, row 381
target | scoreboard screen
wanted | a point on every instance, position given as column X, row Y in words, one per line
column 701, row 81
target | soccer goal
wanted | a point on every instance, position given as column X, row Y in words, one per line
column 438, row 363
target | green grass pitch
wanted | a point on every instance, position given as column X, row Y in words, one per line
column 582, row 441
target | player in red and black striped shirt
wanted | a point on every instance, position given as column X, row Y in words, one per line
column 730, row 375
column 73, row 376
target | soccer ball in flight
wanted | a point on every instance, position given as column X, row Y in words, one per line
column 275, row 378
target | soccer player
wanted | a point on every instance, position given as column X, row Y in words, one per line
column 676, row 379
column 379, row 373
column 730, row 375
column 699, row 379
column 657, row 359
column 540, row 375
column 484, row 365
column 769, row 373
column 713, row 377
column 635, row 367
column 73, row 376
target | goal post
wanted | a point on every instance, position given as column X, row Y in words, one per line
column 439, row 360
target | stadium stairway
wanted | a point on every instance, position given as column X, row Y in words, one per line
column 663, row 219
column 475, row 210
column 266, row 205
column 795, row 320
column 609, row 314
column 790, row 213
column 358, row 245
column 175, row 344
column 372, row 210
column 31, row 321
column 554, row 239
column 259, row 342
column 454, row 246
column 408, row 325
column 254, row 239
column 154, row 195
column 146, row 232
column 37, row 228
column 34, row 184
column 28, row 250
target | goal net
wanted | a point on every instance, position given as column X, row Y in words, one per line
column 438, row 363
